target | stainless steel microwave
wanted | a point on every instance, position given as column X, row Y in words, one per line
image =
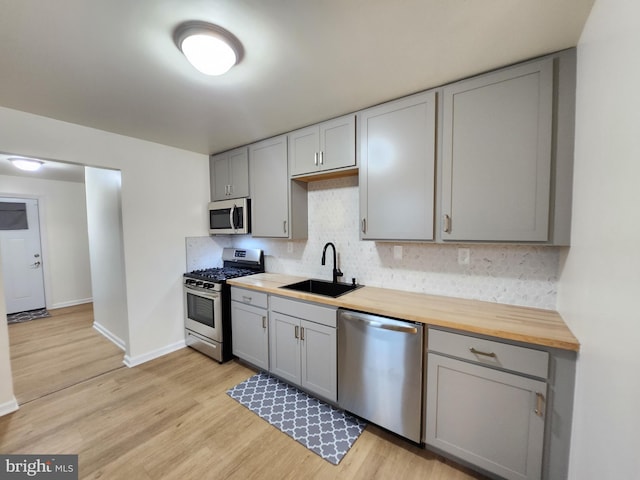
column 230, row 216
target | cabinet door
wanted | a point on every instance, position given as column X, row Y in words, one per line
column 496, row 151
column 490, row 418
column 304, row 148
column 219, row 176
column 338, row 143
column 284, row 347
column 239, row 173
column 250, row 337
column 319, row 360
column 397, row 164
column 269, row 188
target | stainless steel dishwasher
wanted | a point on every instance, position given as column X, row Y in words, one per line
column 380, row 371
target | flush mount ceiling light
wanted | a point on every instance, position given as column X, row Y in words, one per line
column 210, row 48
column 27, row 164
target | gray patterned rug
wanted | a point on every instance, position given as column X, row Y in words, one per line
column 321, row 428
column 26, row 316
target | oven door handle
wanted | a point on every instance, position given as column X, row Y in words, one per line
column 200, row 293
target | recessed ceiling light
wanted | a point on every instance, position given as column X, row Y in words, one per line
column 210, row 49
column 28, row 164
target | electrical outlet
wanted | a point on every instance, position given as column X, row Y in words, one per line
column 397, row 252
column 464, row 255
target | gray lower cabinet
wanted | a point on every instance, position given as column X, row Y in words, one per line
column 303, row 345
column 229, row 174
column 250, row 326
column 483, row 406
column 278, row 205
column 506, row 159
column 396, row 147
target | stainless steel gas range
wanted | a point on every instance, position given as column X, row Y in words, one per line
column 207, row 301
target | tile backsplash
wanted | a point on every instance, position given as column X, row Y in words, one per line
column 512, row 274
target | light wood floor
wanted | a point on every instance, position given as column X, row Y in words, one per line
column 49, row 354
column 171, row 419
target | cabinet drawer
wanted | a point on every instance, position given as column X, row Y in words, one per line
column 488, row 352
column 250, row 297
column 308, row 311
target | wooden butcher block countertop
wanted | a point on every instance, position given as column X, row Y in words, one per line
column 530, row 325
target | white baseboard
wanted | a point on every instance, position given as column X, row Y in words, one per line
column 130, row 361
column 8, row 407
column 70, row 303
column 110, row 336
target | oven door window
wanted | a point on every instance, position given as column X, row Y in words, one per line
column 201, row 309
column 220, row 218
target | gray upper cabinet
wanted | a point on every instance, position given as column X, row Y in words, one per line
column 396, row 146
column 229, row 174
column 279, row 205
column 502, row 163
column 330, row 145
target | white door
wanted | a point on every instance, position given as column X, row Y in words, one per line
column 21, row 255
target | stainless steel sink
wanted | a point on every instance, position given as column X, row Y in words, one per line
column 322, row 287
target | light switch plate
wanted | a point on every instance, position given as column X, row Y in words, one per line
column 464, row 255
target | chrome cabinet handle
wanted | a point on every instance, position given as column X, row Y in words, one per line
column 264, row 322
column 246, row 299
column 284, row 226
column 315, row 159
column 301, row 333
column 446, row 220
column 296, row 332
column 321, row 158
column 539, row 404
column 230, row 189
column 478, row 352
column 35, row 265
column 364, row 225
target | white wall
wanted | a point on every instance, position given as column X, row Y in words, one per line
column 162, row 202
column 63, row 228
column 108, row 277
column 8, row 401
column 599, row 285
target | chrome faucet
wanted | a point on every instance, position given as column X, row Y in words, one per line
column 336, row 271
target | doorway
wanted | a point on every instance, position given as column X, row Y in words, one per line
column 21, row 251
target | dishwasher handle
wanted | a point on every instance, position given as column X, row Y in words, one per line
column 378, row 322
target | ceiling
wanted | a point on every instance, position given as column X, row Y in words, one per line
column 112, row 64
column 50, row 170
